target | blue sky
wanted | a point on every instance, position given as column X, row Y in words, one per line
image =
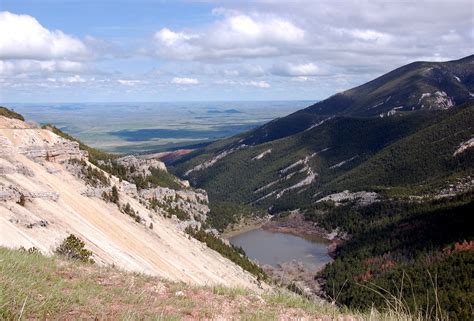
column 145, row 50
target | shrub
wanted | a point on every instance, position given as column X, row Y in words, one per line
column 127, row 209
column 22, row 200
column 114, row 196
column 72, row 248
column 10, row 113
column 32, row 250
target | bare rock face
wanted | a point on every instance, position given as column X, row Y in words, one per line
column 141, row 165
column 16, row 193
column 363, row 198
column 36, row 143
column 49, row 189
column 9, row 193
column 193, row 202
column 60, row 151
column 128, row 188
column 12, row 167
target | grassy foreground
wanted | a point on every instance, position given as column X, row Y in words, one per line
column 33, row 286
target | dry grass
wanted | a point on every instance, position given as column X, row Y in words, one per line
column 33, row 286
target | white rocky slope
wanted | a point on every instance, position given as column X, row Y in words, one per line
column 34, row 169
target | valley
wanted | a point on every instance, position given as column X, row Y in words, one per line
column 386, row 173
column 237, row 160
column 352, row 200
column 147, row 127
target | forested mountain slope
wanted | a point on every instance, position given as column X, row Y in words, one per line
column 387, row 166
column 416, row 86
column 416, row 151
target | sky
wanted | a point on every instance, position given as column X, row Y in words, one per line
column 146, row 50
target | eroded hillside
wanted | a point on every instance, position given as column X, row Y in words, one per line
column 49, row 189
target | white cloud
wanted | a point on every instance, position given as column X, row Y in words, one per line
column 236, row 35
column 74, row 79
column 302, row 78
column 130, row 82
column 262, row 30
column 184, row 81
column 23, row 37
column 343, row 38
column 12, row 67
column 169, row 38
column 296, row 70
column 366, row 35
column 251, row 83
column 452, row 36
column 259, row 84
column 319, row 47
column 371, row 35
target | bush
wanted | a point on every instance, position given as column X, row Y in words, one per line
column 22, row 200
column 114, row 196
column 127, row 209
column 73, row 248
column 32, row 250
column 10, row 113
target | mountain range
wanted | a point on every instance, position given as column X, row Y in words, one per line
column 400, row 129
column 386, row 167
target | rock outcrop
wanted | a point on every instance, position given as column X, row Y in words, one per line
column 37, row 144
column 141, row 165
column 193, row 202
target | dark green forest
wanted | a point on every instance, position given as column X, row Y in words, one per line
column 413, row 156
column 422, row 252
column 411, row 243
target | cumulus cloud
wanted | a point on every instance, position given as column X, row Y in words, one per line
column 23, row 37
column 70, row 79
column 365, row 35
column 130, row 82
column 297, row 70
column 74, row 79
column 259, row 84
column 236, row 35
column 184, row 81
column 289, row 49
column 11, row 67
column 345, row 36
column 251, row 83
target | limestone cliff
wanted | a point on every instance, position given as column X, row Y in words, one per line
column 47, row 193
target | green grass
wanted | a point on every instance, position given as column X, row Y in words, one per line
column 10, row 113
column 33, row 286
column 36, row 286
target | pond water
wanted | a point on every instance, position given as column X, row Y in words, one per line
column 275, row 248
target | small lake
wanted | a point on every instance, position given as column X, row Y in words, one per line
column 274, row 248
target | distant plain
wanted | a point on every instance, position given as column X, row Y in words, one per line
column 155, row 126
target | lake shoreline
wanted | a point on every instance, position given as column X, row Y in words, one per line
column 296, row 225
column 293, row 224
column 244, row 227
column 293, row 270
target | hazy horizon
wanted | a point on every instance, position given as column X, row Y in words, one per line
column 139, row 127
